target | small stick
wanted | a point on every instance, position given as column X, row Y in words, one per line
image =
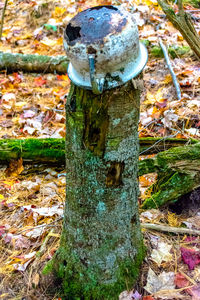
column 176, row 230
column 176, row 84
column 2, row 17
column 42, row 225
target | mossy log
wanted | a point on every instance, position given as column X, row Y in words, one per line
column 33, row 150
column 101, row 247
column 178, row 174
column 52, row 151
column 13, row 62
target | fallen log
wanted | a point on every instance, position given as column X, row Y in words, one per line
column 178, row 168
column 51, row 150
column 178, row 172
column 33, row 63
column 12, row 62
column 33, row 150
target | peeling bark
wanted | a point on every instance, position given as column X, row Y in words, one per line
column 101, row 246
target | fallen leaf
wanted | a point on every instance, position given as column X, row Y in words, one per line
column 24, row 261
column 162, row 253
column 190, row 257
column 193, row 131
column 21, row 242
column 195, row 292
column 35, row 232
column 126, row 295
column 28, row 114
column 8, row 97
column 46, row 211
column 15, row 168
column 39, row 81
column 180, row 281
column 163, row 281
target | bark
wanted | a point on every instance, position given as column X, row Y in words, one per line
column 52, row 151
column 183, row 22
column 12, row 62
column 2, row 18
column 178, row 174
column 101, row 246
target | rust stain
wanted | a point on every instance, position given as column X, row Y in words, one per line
column 94, row 24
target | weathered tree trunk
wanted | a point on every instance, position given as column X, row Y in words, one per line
column 52, row 151
column 183, row 22
column 101, row 246
column 178, row 174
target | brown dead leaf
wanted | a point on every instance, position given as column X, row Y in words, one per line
column 15, row 168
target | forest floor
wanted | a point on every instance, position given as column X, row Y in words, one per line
column 32, row 196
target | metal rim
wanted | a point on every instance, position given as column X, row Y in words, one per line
column 135, row 68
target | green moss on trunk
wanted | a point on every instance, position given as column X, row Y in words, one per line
column 101, row 245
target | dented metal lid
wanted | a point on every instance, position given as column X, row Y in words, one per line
column 103, row 46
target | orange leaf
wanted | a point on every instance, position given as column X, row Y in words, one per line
column 39, row 81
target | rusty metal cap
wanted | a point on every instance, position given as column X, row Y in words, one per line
column 103, row 46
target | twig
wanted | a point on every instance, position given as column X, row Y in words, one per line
column 176, row 84
column 176, row 230
column 40, row 226
column 44, row 244
column 157, row 142
column 2, row 17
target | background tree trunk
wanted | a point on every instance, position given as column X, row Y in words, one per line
column 183, row 22
column 101, row 246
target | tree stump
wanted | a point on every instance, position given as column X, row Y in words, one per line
column 101, row 246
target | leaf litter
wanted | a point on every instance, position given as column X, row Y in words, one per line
column 32, row 105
